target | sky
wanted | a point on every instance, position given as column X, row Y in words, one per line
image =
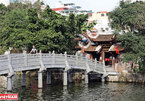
column 94, row 5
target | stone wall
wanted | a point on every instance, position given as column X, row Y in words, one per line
column 3, row 82
column 127, row 77
column 126, row 74
column 119, row 67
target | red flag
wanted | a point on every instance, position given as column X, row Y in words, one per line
column 117, row 50
column 90, row 56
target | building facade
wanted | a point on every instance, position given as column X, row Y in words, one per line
column 102, row 22
column 12, row 1
column 66, row 8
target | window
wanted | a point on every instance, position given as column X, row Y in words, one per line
column 102, row 14
column 107, row 29
column 67, row 12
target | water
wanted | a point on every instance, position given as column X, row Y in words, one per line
column 94, row 91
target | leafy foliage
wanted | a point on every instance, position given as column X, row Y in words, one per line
column 23, row 26
column 129, row 19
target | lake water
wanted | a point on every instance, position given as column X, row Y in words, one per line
column 94, row 91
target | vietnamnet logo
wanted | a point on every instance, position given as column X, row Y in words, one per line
column 8, row 96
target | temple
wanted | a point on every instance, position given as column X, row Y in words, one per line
column 100, row 42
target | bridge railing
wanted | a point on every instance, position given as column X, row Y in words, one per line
column 59, row 59
column 82, row 61
column 24, row 61
column 76, row 61
column 96, row 66
column 33, row 60
column 17, row 61
column 4, row 64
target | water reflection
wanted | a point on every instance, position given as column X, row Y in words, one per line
column 78, row 91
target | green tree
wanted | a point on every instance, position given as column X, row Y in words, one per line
column 22, row 27
column 128, row 18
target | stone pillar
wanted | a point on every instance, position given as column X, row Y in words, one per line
column 103, row 79
column 9, row 83
column 40, row 79
column 48, row 79
column 86, row 78
column 95, row 63
column 23, row 83
column 103, row 56
column 70, row 76
column 65, row 78
column 53, row 57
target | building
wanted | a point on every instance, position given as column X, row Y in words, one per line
column 102, row 22
column 99, row 43
column 66, row 8
column 103, row 47
column 27, row 1
column 12, row 1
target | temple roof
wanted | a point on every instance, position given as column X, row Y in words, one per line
column 102, row 37
column 90, row 49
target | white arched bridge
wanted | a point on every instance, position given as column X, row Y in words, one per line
column 11, row 63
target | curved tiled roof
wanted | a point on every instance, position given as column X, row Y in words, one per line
column 102, row 37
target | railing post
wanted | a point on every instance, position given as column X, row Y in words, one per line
column 105, row 73
column 40, row 72
column 65, row 54
column 50, row 56
column 10, row 74
column 25, row 58
column 95, row 63
column 76, row 58
column 104, row 67
column 65, row 70
column 87, row 65
column 11, row 71
column 53, row 57
column 49, row 53
column 87, row 71
column 42, row 67
column 66, row 61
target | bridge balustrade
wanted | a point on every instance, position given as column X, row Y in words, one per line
column 4, row 66
column 23, row 61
